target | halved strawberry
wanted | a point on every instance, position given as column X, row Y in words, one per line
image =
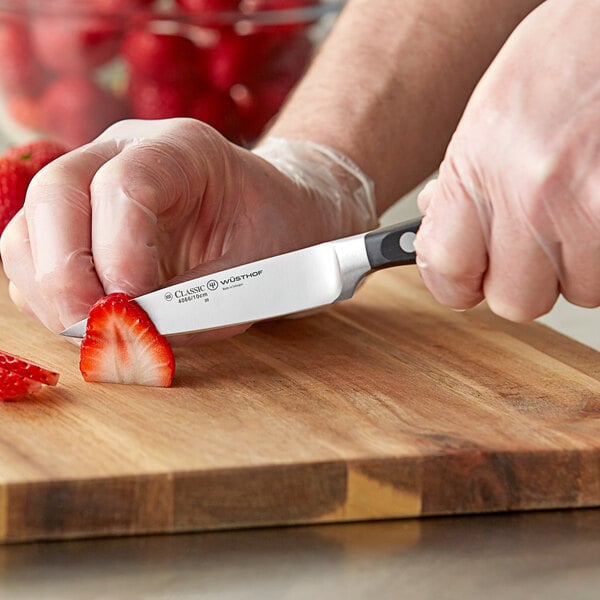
column 14, row 386
column 28, row 369
column 122, row 345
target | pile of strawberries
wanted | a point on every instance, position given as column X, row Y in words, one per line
column 69, row 69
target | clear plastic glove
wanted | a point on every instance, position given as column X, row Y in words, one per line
column 154, row 202
column 514, row 215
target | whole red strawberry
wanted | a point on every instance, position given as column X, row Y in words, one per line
column 75, row 43
column 208, row 6
column 37, row 154
column 76, row 109
column 19, row 71
column 14, row 179
column 18, row 165
column 151, row 99
column 158, row 56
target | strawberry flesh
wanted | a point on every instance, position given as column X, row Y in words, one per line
column 14, row 386
column 122, row 345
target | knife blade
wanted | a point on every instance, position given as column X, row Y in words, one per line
column 277, row 286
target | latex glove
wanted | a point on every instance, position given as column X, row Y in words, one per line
column 153, row 202
column 514, row 215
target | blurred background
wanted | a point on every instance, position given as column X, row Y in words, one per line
column 69, row 68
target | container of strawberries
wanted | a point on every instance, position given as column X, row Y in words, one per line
column 70, row 68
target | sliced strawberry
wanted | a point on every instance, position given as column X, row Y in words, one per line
column 122, row 345
column 25, row 368
column 14, row 386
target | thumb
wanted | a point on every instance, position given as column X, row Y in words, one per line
column 451, row 244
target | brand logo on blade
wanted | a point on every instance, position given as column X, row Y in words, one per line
column 201, row 291
column 239, row 278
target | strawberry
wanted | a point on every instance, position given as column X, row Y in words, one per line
column 19, row 71
column 152, row 99
column 14, row 179
column 37, row 154
column 237, row 59
column 208, row 6
column 76, row 109
column 18, row 165
column 24, row 109
column 75, row 43
column 159, row 56
column 27, row 369
column 14, row 386
column 216, row 109
column 122, row 345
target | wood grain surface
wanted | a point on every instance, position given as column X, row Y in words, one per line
column 385, row 406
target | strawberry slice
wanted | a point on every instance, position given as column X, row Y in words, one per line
column 27, row 369
column 14, row 386
column 122, row 345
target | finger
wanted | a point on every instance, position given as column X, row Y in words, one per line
column 58, row 217
column 129, row 195
column 149, row 196
column 571, row 193
column 521, row 283
column 18, row 266
column 19, row 300
column 450, row 244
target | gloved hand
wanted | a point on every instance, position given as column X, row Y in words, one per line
column 514, row 215
column 153, row 202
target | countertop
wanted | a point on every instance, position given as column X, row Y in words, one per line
column 549, row 555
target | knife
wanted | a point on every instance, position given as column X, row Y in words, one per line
column 273, row 287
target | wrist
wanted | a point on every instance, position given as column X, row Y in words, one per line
column 343, row 193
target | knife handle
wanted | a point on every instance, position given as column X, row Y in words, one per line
column 392, row 246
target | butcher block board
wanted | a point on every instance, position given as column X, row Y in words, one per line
column 385, row 406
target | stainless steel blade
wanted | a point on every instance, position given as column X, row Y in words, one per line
column 273, row 287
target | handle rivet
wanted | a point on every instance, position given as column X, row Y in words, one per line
column 407, row 241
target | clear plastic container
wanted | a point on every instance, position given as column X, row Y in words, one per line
column 70, row 68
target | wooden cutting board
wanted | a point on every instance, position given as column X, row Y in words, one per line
column 387, row 405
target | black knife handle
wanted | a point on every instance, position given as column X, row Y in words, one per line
column 392, row 246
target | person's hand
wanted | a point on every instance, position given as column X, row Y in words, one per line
column 514, row 216
column 153, row 202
